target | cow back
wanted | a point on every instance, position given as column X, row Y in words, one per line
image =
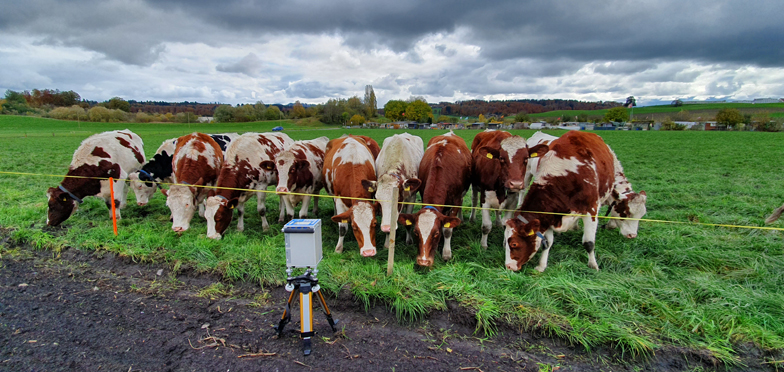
column 347, row 162
column 445, row 169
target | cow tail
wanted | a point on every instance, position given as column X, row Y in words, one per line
column 776, row 214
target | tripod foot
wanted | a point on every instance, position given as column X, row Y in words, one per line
column 306, row 346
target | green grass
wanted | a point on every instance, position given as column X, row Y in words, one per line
column 705, row 288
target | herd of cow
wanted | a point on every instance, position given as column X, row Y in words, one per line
column 549, row 182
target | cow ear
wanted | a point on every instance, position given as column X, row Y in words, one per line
column 50, row 192
column 515, row 224
column 538, row 150
column 405, row 219
column 344, row 217
column 489, row 153
column 644, row 195
column 165, row 192
column 233, row 203
column 411, row 185
column 199, row 182
column 450, row 222
column 369, row 185
column 267, row 164
column 301, row 164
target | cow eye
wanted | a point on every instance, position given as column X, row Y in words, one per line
column 514, row 245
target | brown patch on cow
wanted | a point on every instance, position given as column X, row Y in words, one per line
column 136, row 153
column 445, row 173
column 127, row 134
column 99, row 152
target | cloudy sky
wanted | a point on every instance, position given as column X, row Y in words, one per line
column 243, row 51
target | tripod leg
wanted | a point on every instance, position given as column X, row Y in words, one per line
column 326, row 311
column 286, row 317
column 306, row 319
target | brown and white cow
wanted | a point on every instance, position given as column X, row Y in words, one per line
column 500, row 161
column 196, row 163
column 109, row 154
column 347, row 163
column 445, row 173
column 397, row 165
column 299, row 171
column 249, row 164
column 159, row 168
column 537, row 138
column 577, row 175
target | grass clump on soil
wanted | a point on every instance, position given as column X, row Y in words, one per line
column 692, row 286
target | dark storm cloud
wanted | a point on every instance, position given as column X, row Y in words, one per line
column 708, row 31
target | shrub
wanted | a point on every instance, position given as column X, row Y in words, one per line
column 357, row 120
column 143, row 117
column 99, row 114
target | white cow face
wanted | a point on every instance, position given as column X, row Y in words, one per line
column 362, row 217
column 143, row 190
column 181, row 201
column 630, row 205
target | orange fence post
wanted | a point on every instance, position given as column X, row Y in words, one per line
column 114, row 211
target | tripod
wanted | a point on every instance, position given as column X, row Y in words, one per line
column 306, row 284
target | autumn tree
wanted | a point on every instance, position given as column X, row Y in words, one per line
column 481, row 118
column 224, row 114
column 419, row 111
column 298, row 111
column 331, row 112
column 729, row 117
column 395, row 109
column 356, row 120
column 617, row 114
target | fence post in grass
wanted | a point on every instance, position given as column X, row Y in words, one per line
column 114, row 211
column 392, row 232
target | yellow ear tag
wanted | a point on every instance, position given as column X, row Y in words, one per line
column 408, row 188
column 269, row 167
column 65, row 199
column 534, row 155
column 447, row 225
column 408, row 223
column 489, row 155
column 231, row 207
column 370, row 189
column 345, row 221
column 531, row 233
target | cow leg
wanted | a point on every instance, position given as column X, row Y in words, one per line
column 303, row 212
column 342, row 227
column 121, row 192
column 548, row 242
column 281, row 208
column 447, row 252
column 315, row 206
column 241, row 217
column 108, row 201
column 474, row 197
column 590, row 223
column 487, row 226
column 510, row 204
column 289, row 206
column 261, row 208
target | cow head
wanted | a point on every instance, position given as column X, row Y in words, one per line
column 61, row 206
column 362, row 217
column 218, row 211
column 181, row 200
column 143, row 187
column 383, row 189
column 427, row 224
column 513, row 156
column 629, row 205
column 521, row 242
column 292, row 172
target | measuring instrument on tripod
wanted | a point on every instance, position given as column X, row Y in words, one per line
column 303, row 251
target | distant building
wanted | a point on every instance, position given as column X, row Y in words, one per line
column 205, row 119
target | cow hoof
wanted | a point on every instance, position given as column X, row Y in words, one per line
column 540, row 268
column 594, row 266
column 339, row 249
column 447, row 257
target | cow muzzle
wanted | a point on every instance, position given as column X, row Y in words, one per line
column 427, row 262
column 515, row 185
column 282, row 189
column 367, row 252
column 179, row 229
column 512, row 266
column 631, row 236
column 385, row 228
column 141, row 204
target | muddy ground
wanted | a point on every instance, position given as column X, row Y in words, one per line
column 78, row 311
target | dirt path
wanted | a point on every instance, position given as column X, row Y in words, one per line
column 78, row 312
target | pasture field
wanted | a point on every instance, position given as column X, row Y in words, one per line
column 704, row 288
column 658, row 112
